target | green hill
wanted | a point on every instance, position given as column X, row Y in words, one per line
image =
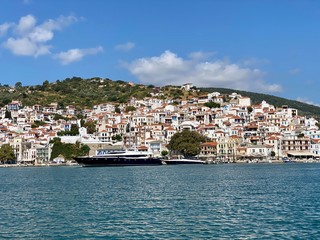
column 304, row 109
column 75, row 91
column 85, row 93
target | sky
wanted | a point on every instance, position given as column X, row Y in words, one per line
column 270, row 47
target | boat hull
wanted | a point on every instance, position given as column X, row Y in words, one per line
column 183, row 161
column 116, row 161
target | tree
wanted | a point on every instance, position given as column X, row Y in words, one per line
column 57, row 116
column 6, row 153
column 212, row 105
column 68, row 150
column 7, row 114
column 36, row 124
column 91, row 126
column 74, row 130
column 84, row 150
column 45, row 84
column 130, row 109
column 300, row 135
column 186, row 142
column 60, row 105
column 6, row 101
column 164, row 153
column 117, row 109
column 18, row 85
column 117, row 137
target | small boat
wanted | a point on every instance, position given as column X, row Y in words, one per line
column 183, row 161
column 119, row 158
column 287, row 160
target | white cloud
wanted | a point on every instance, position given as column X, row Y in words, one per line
column 305, row 100
column 294, row 71
column 125, row 47
column 4, row 28
column 59, row 23
column 26, row 24
column 40, row 35
column 26, row 47
column 30, row 39
column 168, row 68
column 76, row 54
column 27, row 2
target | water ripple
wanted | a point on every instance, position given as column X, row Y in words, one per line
column 163, row 202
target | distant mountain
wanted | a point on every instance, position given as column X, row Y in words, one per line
column 85, row 93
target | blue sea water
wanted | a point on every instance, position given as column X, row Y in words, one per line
column 232, row 201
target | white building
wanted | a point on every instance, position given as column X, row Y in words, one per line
column 258, row 151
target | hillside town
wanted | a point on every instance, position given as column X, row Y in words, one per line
column 238, row 131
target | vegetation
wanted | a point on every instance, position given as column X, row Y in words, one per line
column 68, row 150
column 186, row 143
column 6, row 154
column 304, row 109
column 7, row 114
column 37, row 124
column 57, row 117
column 212, row 105
column 73, row 91
column 117, row 109
column 117, row 138
column 300, row 135
column 74, row 131
column 85, row 93
column 164, row 153
column 273, row 154
column 90, row 126
column 130, row 109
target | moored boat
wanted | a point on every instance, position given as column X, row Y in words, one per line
column 287, row 160
column 119, row 158
column 183, row 161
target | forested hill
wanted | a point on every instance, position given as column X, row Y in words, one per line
column 85, row 93
column 304, row 109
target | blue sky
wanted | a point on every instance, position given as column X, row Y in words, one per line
column 261, row 46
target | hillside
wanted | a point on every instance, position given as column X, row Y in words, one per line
column 85, row 93
column 75, row 91
column 304, row 109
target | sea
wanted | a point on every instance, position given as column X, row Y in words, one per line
column 227, row 201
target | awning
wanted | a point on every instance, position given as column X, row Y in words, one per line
column 299, row 154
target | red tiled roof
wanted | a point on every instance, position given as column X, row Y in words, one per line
column 209, row 144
